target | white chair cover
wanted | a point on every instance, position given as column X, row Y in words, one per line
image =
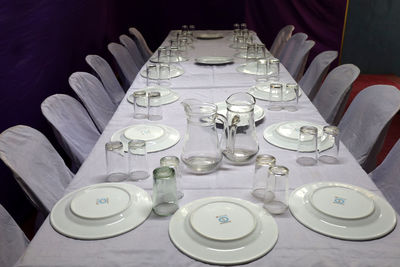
column 133, row 50
column 125, row 61
column 368, row 114
column 13, row 241
column 291, row 46
column 39, row 169
column 316, row 72
column 94, row 97
column 141, row 43
column 107, row 77
column 334, row 91
column 72, row 125
column 386, row 176
column 280, row 40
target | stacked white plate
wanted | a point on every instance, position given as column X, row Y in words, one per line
column 167, row 96
column 175, row 71
column 286, row 135
column 157, row 136
column 101, row 211
column 342, row 211
column 258, row 111
column 223, row 230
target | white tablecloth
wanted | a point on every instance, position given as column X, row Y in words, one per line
column 149, row 244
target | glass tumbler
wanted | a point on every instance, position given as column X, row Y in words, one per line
column 154, row 106
column 263, row 162
column 116, row 162
column 163, row 54
column 251, row 53
column 261, row 75
column 164, row 75
column 330, row 156
column 275, row 97
column 173, row 162
column 139, row 104
column 292, row 89
column 138, row 166
column 273, row 69
column 165, row 201
column 277, row 191
column 307, row 146
column 151, row 75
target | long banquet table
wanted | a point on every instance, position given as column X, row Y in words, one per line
column 149, row 243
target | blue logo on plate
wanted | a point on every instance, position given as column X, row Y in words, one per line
column 223, row 219
column 339, row 200
column 103, row 200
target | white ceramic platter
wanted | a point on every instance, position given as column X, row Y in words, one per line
column 262, row 92
column 209, row 36
column 223, row 230
column 342, row 211
column 101, row 211
column 213, row 60
column 175, row 71
column 157, row 136
column 285, row 135
column 258, row 111
column 167, row 96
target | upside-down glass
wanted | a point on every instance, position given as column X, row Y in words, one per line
column 273, row 69
column 276, row 195
column 292, row 89
column 154, row 106
column 275, row 97
column 116, row 162
column 330, row 156
column 260, row 51
column 307, row 148
column 251, row 53
column 263, row 162
column 164, row 75
column 261, row 75
column 139, row 104
column 165, row 201
column 174, row 162
column 151, row 75
column 138, row 166
column 163, row 54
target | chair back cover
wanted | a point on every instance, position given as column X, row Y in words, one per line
column 38, row 168
column 334, row 90
column 280, row 40
column 316, row 72
column 386, row 176
column 125, row 61
column 107, row 77
column 133, row 50
column 94, row 97
column 13, row 241
column 73, row 126
column 141, row 43
column 368, row 114
column 299, row 61
column 291, row 47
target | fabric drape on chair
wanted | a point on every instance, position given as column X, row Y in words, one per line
column 334, row 91
column 73, row 126
column 368, row 114
column 316, row 72
column 37, row 166
column 94, row 97
column 133, row 50
column 107, row 77
column 387, row 176
column 141, row 43
column 280, row 40
column 13, row 241
column 291, row 47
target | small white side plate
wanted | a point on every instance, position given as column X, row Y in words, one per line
column 213, row 60
column 209, row 36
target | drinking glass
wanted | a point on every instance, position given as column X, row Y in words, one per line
column 273, row 69
column 154, row 106
column 276, row 195
column 163, row 54
column 263, row 162
column 139, row 104
column 307, row 149
column 151, row 75
column 164, row 75
column 261, row 75
column 138, row 166
column 165, row 201
column 292, row 89
column 251, row 53
column 275, row 97
column 236, row 26
column 173, row 162
column 243, row 26
column 260, row 51
column 330, row 155
column 116, row 162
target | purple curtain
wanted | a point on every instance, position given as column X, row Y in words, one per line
column 322, row 21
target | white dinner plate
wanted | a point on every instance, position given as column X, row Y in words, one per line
column 261, row 91
column 248, row 68
column 154, row 59
column 258, row 111
column 342, row 211
column 175, row 71
column 223, row 230
column 101, row 211
column 285, row 135
column 157, row 136
column 209, row 36
column 213, row 60
column 243, row 54
column 167, row 96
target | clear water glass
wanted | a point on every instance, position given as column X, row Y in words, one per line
column 292, row 89
column 151, row 75
column 138, row 165
column 263, row 162
column 154, row 106
column 116, row 162
column 251, row 53
column 275, row 97
column 330, row 156
column 139, row 104
column 273, row 69
column 164, row 75
column 307, row 146
column 276, row 195
column 174, row 162
column 165, row 200
column 261, row 75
